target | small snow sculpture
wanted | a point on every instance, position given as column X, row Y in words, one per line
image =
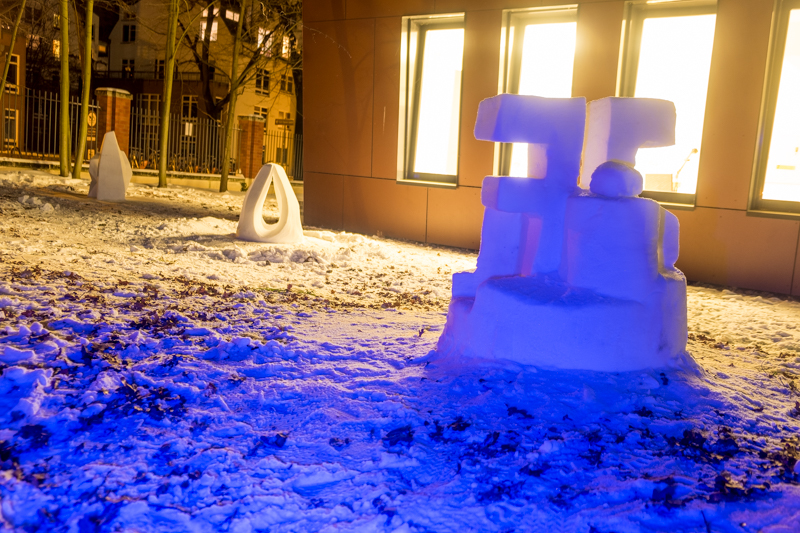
column 252, row 227
column 569, row 277
column 110, row 171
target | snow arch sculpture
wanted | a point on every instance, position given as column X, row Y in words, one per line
column 569, row 277
column 252, row 227
column 110, row 171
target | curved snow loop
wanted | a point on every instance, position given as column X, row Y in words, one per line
column 252, row 227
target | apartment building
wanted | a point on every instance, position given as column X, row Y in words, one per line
column 136, row 63
column 392, row 90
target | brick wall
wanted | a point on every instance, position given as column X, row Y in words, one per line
column 251, row 145
column 114, row 115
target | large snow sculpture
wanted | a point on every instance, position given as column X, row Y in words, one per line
column 568, row 277
column 252, row 227
column 110, row 171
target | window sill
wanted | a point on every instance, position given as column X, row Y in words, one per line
column 775, row 209
column 425, row 183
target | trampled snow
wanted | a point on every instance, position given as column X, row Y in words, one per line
column 156, row 374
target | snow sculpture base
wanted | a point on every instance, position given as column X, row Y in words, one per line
column 252, row 227
column 543, row 321
column 110, row 171
column 567, row 277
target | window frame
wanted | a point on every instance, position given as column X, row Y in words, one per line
column 128, row 68
column 769, row 100
column 412, row 50
column 511, row 58
column 636, row 12
column 262, row 75
column 13, row 87
column 129, row 33
column 10, row 143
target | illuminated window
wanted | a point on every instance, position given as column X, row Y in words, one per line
column 433, row 48
column 286, row 47
column 778, row 169
column 265, row 41
column 128, row 68
column 57, row 48
column 232, row 15
column 213, row 34
column 668, row 56
column 539, row 53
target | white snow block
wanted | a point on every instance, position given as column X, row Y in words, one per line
column 110, row 171
column 532, row 242
column 569, row 278
column 616, row 179
column 554, row 125
column 670, row 240
column 252, row 227
column 611, row 245
column 617, row 127
column 545, row 322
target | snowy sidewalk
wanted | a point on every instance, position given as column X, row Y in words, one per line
column 158, row 375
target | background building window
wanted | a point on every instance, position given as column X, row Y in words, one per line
column 262, row 112
column 778, row 168
column 159, row 69
column 262, row 81
column 668, row 55
column 12, row 80
column 189, row 107
column 265, row 40
column 287, row 83
column 431, row 98
column 286, row 47
column 540, row 52
column 10, row 128
column 214, row 26
column 128, row 68
column 129, row 33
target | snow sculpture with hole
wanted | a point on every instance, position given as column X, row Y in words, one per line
column 252, row 227
column 110, row 171
column 568, row 277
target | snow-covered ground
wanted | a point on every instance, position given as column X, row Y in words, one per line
column 159, row 375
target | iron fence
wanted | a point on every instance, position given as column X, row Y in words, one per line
column 286, row 149
column 30, row 125
column 194, row 145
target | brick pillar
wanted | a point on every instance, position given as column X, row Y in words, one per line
column 114, row 115
column 251, row 145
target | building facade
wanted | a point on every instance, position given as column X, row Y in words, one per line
column 136, row 63
column 392, row 90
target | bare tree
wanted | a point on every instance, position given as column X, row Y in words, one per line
column 87, row 74
column 64, row 147
column 169, row 72
column 228, row 138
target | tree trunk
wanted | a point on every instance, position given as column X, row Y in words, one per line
column 87, row 74
column 11, row 49
column 169, row 71
column 229, row 121
column 64, row 144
